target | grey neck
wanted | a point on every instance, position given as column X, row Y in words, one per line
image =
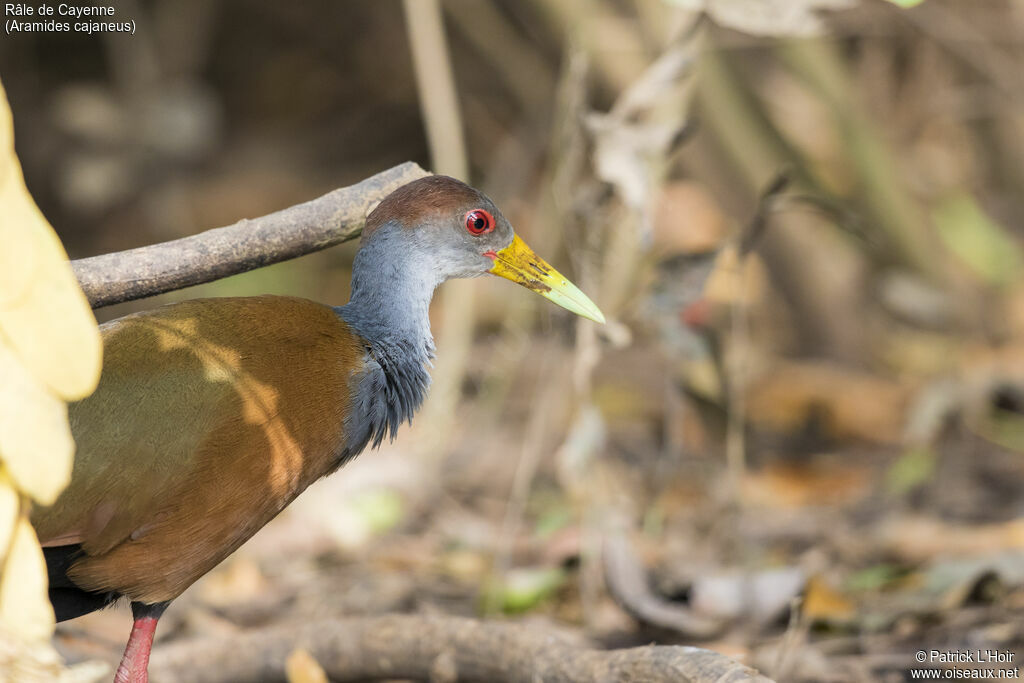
column 391, row 293
column 392, row 285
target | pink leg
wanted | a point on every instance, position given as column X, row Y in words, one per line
column 136, row 654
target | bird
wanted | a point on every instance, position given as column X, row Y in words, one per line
column 213, row 414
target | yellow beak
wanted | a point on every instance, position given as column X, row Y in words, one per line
column 518, row 263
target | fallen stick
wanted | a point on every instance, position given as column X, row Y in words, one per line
column 626, row 580
column 248, row 244
column 440, row 649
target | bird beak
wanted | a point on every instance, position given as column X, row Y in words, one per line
column 518, row 263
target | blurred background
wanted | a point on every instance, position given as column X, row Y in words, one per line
column 798, row 440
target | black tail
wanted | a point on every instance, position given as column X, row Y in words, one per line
column 68, row 600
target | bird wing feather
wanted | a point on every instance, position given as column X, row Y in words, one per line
column 211, row 416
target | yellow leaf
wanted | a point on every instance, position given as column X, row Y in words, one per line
column 35, row 441
column 301, row 667
column 736, row 281
column 8, row 510
column 43, row 313
column 824, row 603
column 24, row 605
column 31, row 661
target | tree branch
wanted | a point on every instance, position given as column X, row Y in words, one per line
column 250, row 243
column 436, row 648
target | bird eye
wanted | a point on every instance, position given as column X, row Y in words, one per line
column 479, row 221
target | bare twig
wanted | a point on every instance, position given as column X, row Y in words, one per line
column 248, row 244
column 627, row 583
column 756, row 227
column 439, row 104
column 435, row 83
column 419, row 647
column 531, row 452
column 733, row 373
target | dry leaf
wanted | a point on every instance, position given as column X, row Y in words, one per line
column 760, row 595
column 767, row 17
column 951, row 583
column 301, row 667
column 824, row 603
column 236, row 581
column 916, row 539
column 796, row 486
column 688, row 219
column 630, row 141
column 733, row 282
column 845, row 403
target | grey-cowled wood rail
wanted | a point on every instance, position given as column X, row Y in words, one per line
column 212, row 415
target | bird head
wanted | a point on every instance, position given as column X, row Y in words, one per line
column 454, row 231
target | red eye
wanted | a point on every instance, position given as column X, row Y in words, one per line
column 479, row 221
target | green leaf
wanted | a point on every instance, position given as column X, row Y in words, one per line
column 906, row 4
column 1005, row 428
column 912, row 469
column 874, row 577
column 523, row 589
column 380, row 509
column 981, row 243
column 553, row 520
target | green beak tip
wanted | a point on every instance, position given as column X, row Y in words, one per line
column 569, row 297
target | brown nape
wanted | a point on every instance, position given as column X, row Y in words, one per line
column 410, row 203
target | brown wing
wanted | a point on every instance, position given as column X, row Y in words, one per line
column 210, row 417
